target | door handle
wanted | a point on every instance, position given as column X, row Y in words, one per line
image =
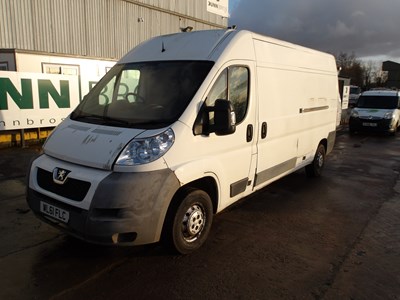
column 249, row 133
column 264, row 130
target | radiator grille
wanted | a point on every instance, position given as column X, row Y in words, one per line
column 72, row 189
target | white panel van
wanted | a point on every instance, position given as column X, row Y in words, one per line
column 180, row 128
column 376, row 111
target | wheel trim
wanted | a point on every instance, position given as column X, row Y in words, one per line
column 193, row 223
column 320, row 159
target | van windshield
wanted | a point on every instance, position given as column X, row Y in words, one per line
column 143, row 95
column 383, row 102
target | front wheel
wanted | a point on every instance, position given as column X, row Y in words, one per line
column 315, row 168
column 189, row 224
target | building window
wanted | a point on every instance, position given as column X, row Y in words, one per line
column 60, row 69
column 4, row 66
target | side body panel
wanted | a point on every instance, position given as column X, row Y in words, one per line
column 230, row 159
column 298, row 98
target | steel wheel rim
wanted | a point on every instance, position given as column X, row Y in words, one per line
column 193, row 223
column 320, row 159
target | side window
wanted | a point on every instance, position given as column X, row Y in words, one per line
column 239, row 90
column 219, row 90
column 232, row 84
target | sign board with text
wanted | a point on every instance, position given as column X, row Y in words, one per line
column 34, row 100
column 219, row 7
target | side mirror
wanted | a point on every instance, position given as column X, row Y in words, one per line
column 224, row 117
column 219, row 118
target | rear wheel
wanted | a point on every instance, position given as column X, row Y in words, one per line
column 189, row 222
column 315, row 168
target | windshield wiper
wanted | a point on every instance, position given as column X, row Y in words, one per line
column 109, row 120
column 105, row 120
column 102, row 120
column 88, row 117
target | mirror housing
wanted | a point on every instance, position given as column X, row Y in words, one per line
column 222, row 121
column 224, row 117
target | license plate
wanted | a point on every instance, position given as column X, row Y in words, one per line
column 54, row 212
column 370, row 124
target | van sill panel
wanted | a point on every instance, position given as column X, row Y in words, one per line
column 275, row 171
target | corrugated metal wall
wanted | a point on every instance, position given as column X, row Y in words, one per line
column 96, row 28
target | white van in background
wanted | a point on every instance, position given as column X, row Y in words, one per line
column 180, row 128
column 376, row 110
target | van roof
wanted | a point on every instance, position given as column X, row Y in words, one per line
column 196, row 45
column 384, row 93
column 204, row 45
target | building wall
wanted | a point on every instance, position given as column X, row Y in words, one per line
column 88, row 34
column 96, row 28
column 393, row 69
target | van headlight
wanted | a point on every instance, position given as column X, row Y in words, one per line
column 388, row 115
column 354, row 114
column 143, row 151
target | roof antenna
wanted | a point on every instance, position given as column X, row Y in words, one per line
column 187, row 29
column 162, row 47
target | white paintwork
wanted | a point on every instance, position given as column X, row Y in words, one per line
column 86, row 144
column 284, row 80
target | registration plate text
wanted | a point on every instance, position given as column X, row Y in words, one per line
column 369, row 124
column 54, row 212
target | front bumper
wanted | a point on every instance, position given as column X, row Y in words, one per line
column 372, row 125
column 124, row 208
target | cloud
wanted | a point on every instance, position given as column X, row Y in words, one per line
column 341, row 30
column 365, row 27
column 358, row 13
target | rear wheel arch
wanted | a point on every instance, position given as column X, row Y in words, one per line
column 315, row 168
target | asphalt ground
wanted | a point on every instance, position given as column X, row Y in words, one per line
column 371, row 270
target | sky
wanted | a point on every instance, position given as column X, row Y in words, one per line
column 368, row 28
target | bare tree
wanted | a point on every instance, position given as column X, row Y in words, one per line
column 370, row 74
column 381, row 78
column 366, row 74
column 351, row 67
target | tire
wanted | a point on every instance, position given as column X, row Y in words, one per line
column 189, row 221
column 315, row 168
